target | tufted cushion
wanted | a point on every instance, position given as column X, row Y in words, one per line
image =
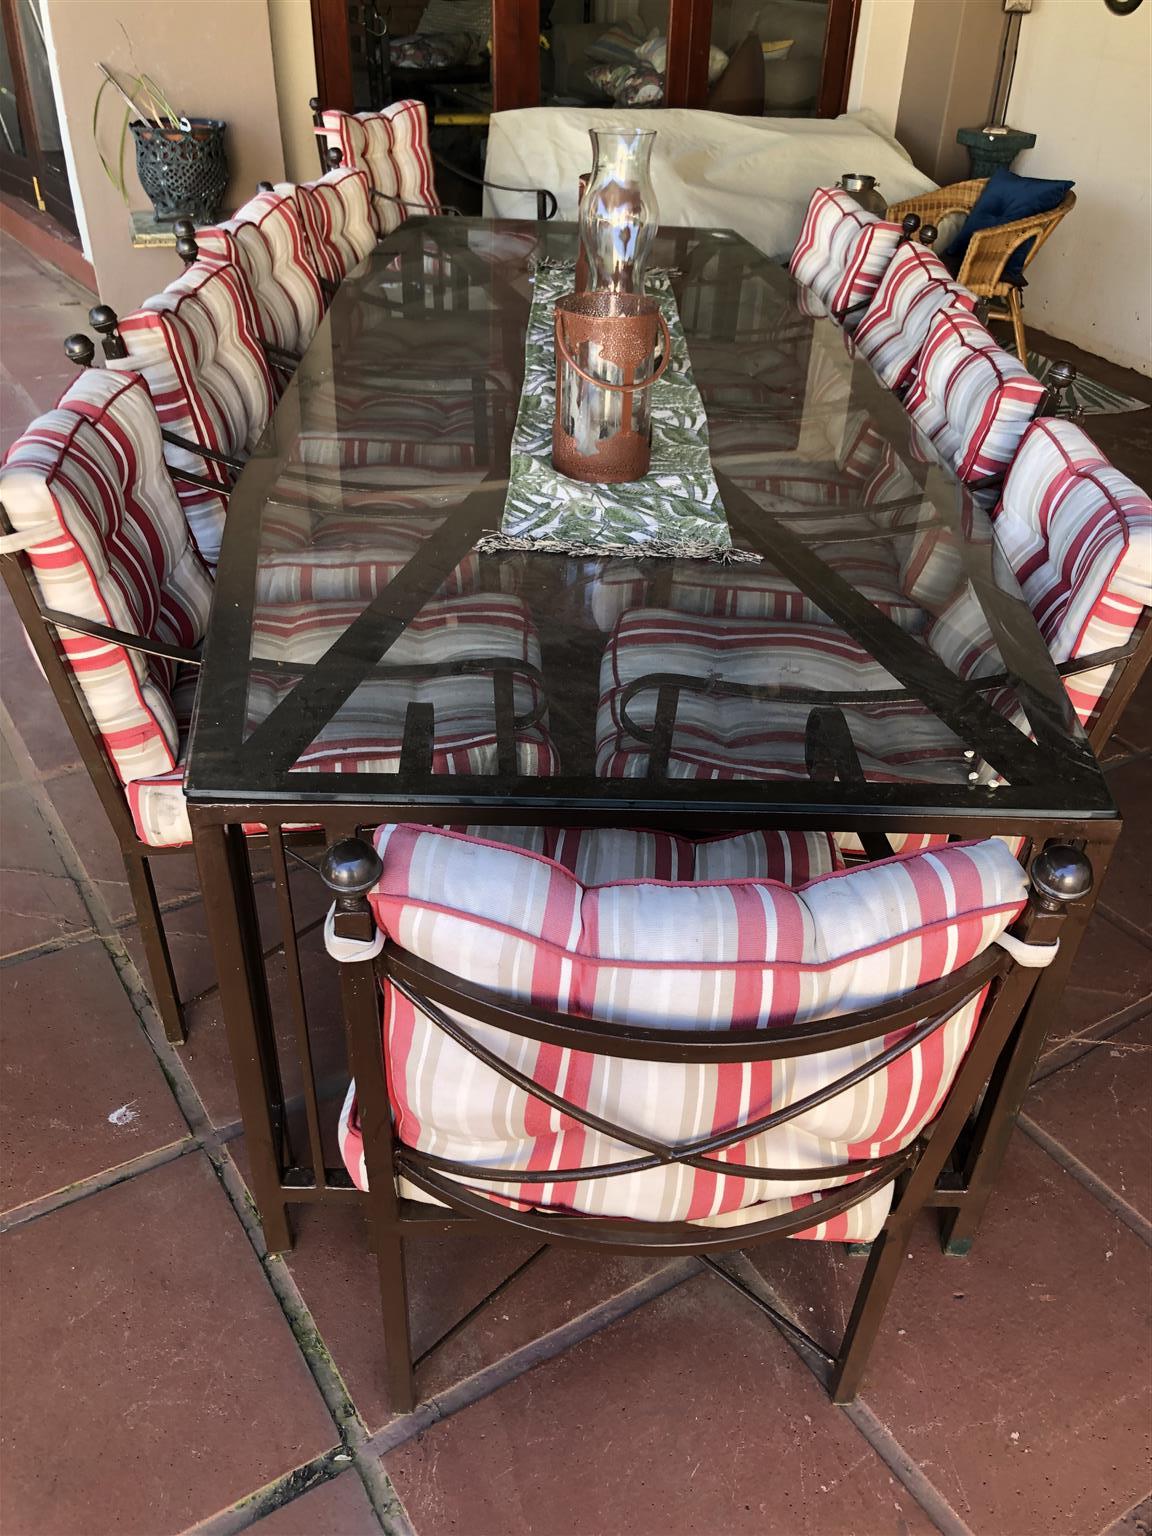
column 306, row 558
column 198, row 346
column 740, row 953
column 915, row 287
column 116, row 550
column 336, row 212
column 266, row 240
column 843, row 251
column 391, row 145
column 972, row 399
column 367, row 734
column 1078, row 535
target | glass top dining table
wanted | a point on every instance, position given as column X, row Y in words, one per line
column 870, row 660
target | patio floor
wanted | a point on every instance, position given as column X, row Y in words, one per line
column 161, row 1374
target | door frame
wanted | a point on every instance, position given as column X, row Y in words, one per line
column 29, row 176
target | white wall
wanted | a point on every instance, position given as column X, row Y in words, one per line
column 878, row 63
column 294, row 64
column 1082, row 86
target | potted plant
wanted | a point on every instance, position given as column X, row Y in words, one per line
column 180, row 161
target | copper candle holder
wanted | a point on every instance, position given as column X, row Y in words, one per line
column 605, row 369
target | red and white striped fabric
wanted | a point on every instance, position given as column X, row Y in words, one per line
column 336, row 212
column 972, row 399
column 1078, row 535
column 266, row 240
column 737, row 953
column 367, row 734
column 198, row 346
column 912, row 291
column 842, row 252
column 718, row 737
column 115, row 549
column 306, row 558
column 392, row 146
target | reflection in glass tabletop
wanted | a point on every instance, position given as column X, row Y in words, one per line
column 876, row 658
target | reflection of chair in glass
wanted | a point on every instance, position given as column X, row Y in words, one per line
column 990, row 250
column 687, row 1064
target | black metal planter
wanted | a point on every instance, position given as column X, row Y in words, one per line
column 183, row 172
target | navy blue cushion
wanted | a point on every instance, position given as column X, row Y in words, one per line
column 1005, row 198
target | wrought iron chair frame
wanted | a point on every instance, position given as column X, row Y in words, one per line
column 351, row 868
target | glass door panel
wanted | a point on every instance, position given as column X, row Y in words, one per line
column 774, row 56
column 601, row 53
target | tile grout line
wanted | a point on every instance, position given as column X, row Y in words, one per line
column 349, row 1428
column 1117, row 1023
column 1092, row 1182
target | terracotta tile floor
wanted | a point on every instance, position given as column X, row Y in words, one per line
column 161, row 1375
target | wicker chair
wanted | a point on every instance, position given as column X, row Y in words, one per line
column 989, row 250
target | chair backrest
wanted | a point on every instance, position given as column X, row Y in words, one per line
column 198, row 346
column 972, row 399
column 914, row 289
column 1078, row 535
column 336, row 211
column 266, row 240
column 660, row 1014
column 392, row 146
column 106, row 540
column 843, row 251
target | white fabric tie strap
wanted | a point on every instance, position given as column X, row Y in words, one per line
column 349, row 949
column 1035, row 956
column 25, row 538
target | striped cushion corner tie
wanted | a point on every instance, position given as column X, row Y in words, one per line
column 675, row 510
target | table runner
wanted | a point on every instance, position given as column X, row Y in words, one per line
column 674, row 511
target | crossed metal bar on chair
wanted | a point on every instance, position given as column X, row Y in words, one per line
column 351, row 868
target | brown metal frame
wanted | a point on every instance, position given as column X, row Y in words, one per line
column 352, row 868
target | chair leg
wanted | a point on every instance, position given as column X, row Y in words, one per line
column 875, row 1288
column 1016, row 310
column 157, row 953
column 390, row 1269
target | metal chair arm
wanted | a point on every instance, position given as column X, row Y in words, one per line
column 122, row 637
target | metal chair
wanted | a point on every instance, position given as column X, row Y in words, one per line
column 982, row 270
column 619, row 1125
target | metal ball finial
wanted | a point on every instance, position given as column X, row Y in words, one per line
column 351, row 868
column 265, row 186
column 334, row 155
column 186, row 247
column 79, row 349
column 1061, row 374
column 1060, row 874
column 928, row 233
column 102, row 318
column 910, row 225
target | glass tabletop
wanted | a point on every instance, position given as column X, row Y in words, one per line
column 871, row 655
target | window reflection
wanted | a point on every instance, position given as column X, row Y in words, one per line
column 774, row 51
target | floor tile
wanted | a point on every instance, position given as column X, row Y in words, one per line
column 1020, row 1378
column 78, row 805
column 336, row 1508
column 1136, row 722
column 155, row 1380
column 1127, row 888
column 1110, row 981
column 333, row 1265
column 689, row 1416
column 1100, row 1108
column 80, row 1090
column 39, row 903
column 29, row 700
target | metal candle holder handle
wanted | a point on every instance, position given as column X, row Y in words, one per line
column 602, row 432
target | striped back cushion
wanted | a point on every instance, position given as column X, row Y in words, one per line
column 971, row 398
column 913, row 289
column 198, row 346
column 116, row 549
column 336, row 212
column 716, row 954
column 843, row 251
column 1078, row 535
column 266, row 240
column 392, row 146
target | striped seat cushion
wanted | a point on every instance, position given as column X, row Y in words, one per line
column 305, row 557
column 392, row 146
column 735, row 953
column 913, row 290
column 1078, row 535
column 266, row 240
column 336, row 212
column 971, row 399
column 198, row 346
column 367, row 735
column 843, row 251
column 116, row 549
